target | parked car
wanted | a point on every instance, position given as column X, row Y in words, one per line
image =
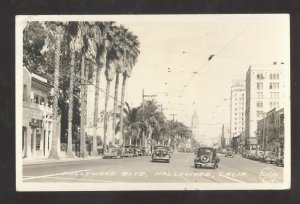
column 143, row 151
column 251, row 154
column 113, row 153
column 229, row 152
column 280, row 160
column 223, row 151
column 161, row 153
column 269, row 157
column 206, row 157
column 130, row 151
column 258, row 155
column 245, row 153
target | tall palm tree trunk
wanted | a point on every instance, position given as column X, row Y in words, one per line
column 55, row 137
column 105, row 113
column 115, row 107
column 83, row 108
column 70, row 111
column 95, row 127
column 121, row 112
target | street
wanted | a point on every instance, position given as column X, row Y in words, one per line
column 142, row 169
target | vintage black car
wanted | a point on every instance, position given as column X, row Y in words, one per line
column 229, row 152
column 130, row 151
column 206, row 157
column 113, row 153
column 269, row 157
column 161, row 153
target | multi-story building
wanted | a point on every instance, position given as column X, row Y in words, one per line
column 237, row 108
column 37, row 117
column 270, row 131
column 195, row 126
column 226, row 139
column 264, row 91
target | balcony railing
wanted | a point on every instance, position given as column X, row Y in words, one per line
column 43, row 107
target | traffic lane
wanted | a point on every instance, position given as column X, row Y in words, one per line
column 241, row 170
column 139, row 169
column 254, row 169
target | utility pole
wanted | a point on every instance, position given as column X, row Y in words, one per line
column 173, row 116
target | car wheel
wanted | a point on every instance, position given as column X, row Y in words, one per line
column 196, row 166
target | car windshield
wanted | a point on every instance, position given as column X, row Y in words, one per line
column 269, row 153
column 160, row 147
column 205, row 151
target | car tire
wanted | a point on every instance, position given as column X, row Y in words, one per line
column 196, row 166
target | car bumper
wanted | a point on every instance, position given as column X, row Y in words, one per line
column 160, row 158
column 204, row 164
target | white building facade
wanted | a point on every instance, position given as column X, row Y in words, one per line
column 264, row 91
column 195, row 127
column 237, row 108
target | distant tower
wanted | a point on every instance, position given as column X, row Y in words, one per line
column 195, row 126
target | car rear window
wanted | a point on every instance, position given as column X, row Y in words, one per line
column 204, row 150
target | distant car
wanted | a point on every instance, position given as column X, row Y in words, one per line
column 161, row 153
column 245, row 153
column 223, row 151
column 143, row 151
column 229, row 152
column 258, row 155
column 280, row 161
column 269, row 157
column 251, row 154
column 130, row 151
column 112, row 153
column 206, row 157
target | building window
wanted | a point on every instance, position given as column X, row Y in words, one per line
column 36, row 99
column 260, row 76
column 274, row 95
column 260, row 95
column 271, row 76
column 42, row 101
column 260, row 86
column 259, row 104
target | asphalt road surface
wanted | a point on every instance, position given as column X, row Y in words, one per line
column 141, row 169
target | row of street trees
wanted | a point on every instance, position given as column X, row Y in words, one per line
column 147, row 124
column 70, row 54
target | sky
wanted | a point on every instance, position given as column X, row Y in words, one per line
column 183, row 44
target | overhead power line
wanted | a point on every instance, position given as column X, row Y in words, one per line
column 213, row 56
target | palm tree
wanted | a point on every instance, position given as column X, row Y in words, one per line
column 120, row 68
column 102, row 44
column 131, row 56
column 75, row 46
column 88, row 56
column 57, row 35
column 131, row 123
column 113, row 55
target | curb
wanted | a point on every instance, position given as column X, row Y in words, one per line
column 28, row 163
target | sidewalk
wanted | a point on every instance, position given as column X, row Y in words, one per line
column 26, row 162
